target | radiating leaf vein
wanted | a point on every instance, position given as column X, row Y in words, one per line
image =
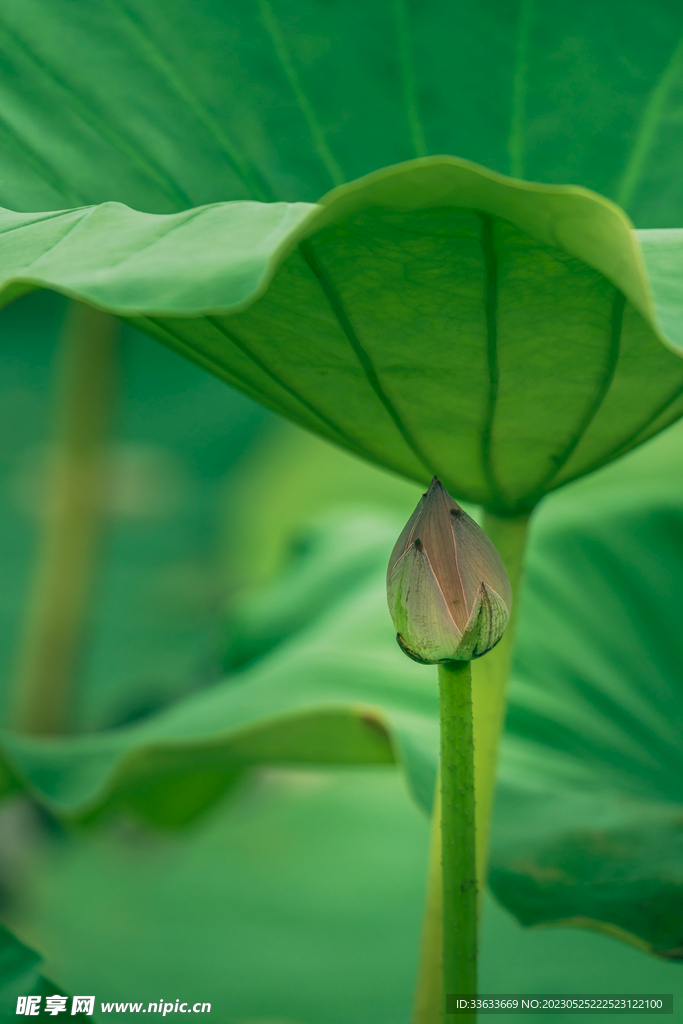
column 649, row 124
column 604, row 384
column 520, row 84
column 43, row 170
column 327, row 158
column 632, row 439
column 405, row 55
column 210, row 363
column 173, row 226
column 337, row 307
column 296, row 395
column 153, row 54
column 491, row 316
column 100, row 125
column 23, row 224
column 51, row 248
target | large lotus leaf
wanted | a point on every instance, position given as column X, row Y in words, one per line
column 167, row 105
column 589, row 821
column 432, row 318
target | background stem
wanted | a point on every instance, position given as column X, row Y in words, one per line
column 72, row 515
column 489, row 680
column 427, row 1005
column 459, row 870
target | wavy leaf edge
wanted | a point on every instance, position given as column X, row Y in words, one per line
column 581, row 222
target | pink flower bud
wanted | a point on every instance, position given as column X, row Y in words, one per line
column 449, row 594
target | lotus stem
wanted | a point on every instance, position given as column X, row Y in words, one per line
column 73, row 510
column 489, row 681
column 458, row 856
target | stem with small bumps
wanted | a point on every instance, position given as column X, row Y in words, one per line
column 458, row 847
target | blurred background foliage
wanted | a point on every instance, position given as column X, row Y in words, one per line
column 297, row 898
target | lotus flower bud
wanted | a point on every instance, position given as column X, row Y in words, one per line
column 449, row 594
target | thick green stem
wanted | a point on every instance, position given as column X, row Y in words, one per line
column 458, row 849
column 73, row 513
column 489, row 680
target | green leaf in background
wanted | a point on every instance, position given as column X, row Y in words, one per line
column 21, row 975
column 316, row 698
column 431, row 318
column 19, row 970
column 168, row 105
column 587, row 825
column 299, row 902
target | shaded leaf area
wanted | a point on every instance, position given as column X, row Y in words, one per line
column 185, row 104
column 432, row 318
column 588, row 818
column 21, row 975
column 590, row 810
